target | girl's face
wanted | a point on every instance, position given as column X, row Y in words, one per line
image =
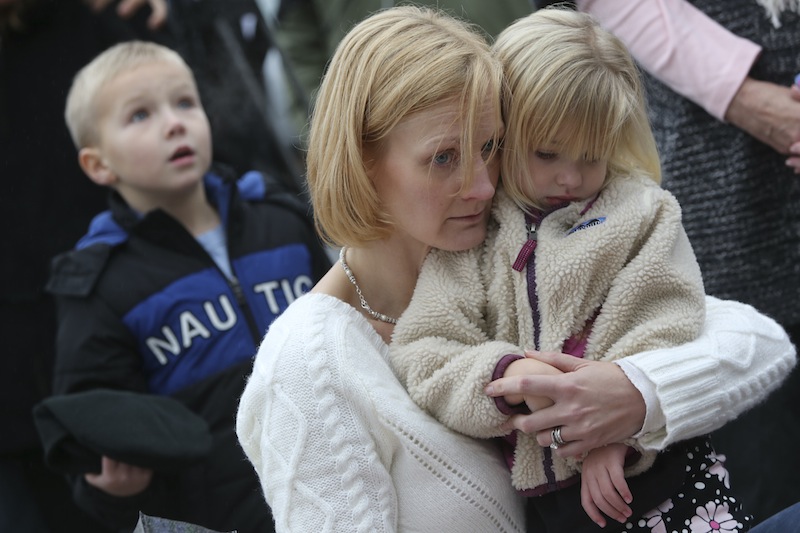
column 420, row 171
column 556, row 179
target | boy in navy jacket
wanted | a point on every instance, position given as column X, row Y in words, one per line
column 172, row 289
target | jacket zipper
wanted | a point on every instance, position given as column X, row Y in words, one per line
column 241, row 300
column 527, row 258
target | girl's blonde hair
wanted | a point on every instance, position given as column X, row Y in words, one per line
column 395, row 63
column 573, row 83
column 80, row 113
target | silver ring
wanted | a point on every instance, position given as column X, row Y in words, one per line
column 556, row 438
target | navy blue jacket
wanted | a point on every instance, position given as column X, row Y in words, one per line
column 143, row 307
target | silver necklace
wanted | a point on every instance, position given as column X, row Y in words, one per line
column 349, row 273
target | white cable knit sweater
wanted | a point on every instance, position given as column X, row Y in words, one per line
column 340, row 447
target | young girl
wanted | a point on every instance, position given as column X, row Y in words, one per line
column 585, row 255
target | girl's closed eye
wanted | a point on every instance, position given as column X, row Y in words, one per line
column 541, row 154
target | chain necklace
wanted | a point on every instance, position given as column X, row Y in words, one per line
column 374, row 314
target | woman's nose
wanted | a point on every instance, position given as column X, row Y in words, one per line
column 483, row 181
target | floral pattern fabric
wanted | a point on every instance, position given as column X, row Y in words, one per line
column 705, row 503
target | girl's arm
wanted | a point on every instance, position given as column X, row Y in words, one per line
column 441, row 351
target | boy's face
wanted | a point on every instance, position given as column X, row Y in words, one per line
column 154, row 140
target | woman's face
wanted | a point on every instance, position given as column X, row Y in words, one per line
column 420, row 171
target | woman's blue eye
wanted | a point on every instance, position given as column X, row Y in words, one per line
column 445, row 158
column 488, row 148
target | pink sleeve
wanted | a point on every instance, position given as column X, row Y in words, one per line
column 681, row 46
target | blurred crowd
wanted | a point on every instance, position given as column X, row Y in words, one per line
column 729, row 155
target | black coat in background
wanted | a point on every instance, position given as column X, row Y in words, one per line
column 46, row 203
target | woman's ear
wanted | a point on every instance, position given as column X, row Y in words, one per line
column 94, row 165
column 370, row 158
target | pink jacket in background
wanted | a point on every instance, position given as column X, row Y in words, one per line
column 681, row 46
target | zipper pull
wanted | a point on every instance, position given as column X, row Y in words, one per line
column 527, row 248
column 238, row 293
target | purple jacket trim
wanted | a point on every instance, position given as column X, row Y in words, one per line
column 500, row 402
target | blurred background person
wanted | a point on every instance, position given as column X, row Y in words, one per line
column 308, row 31
column 45, row 204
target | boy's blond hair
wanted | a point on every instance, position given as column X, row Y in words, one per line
column 80, row 113
column 571, row 81
column 397, row 62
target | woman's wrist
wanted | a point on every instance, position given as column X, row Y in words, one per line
column 654, row 417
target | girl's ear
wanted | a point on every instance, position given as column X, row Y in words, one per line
column 94, row 165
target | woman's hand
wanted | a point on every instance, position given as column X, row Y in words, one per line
column 594, row 403
column 767, row 111
column 120, row 479
column 794, row 149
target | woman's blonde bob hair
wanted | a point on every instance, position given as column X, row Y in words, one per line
column 395, row 63
column 573, row 84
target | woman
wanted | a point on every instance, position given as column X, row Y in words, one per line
column 402, row 159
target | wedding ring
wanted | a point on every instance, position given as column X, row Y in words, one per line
column 556, row 438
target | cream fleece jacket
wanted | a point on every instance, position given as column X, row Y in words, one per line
column 632, row 262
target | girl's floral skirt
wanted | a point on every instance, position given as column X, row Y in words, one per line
column 705, row 503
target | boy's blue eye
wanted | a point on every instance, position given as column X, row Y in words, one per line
column 139, row 115
column 185, row 103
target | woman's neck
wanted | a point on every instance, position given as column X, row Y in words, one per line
column 386, row 274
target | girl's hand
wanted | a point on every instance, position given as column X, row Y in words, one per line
column 603, row 485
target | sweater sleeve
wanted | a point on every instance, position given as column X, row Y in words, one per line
column 681, row 46
column 740, row 357
column 440, row 348
column 305, row 423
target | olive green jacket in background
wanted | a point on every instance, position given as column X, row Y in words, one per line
column 308, row 31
